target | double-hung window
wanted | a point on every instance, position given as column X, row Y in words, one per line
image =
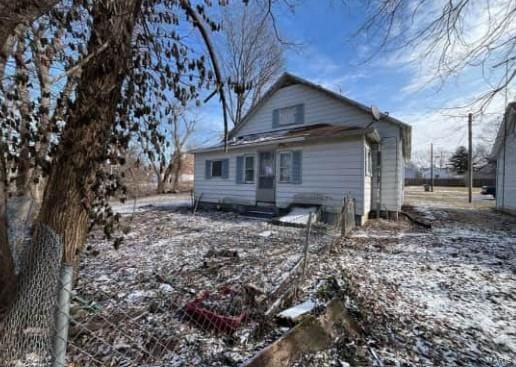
column 285, row 167
column 216, row 169
column 249, row 169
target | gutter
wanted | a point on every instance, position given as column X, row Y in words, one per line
column 371, row 134
column 241, row 146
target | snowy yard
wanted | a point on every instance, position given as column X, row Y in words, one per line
column 131, row 305
column 439, row 297
column 422, row 297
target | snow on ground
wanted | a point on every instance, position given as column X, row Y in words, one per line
column 165, row 201
column 133, row 297
column 440, row 297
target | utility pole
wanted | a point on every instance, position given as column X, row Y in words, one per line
column 470, row 157
column 441, row 164
column 432, row 167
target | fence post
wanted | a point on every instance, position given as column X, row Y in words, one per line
column 307, row 241
column 62, row 320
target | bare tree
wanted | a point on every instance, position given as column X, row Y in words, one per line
column 450, row 35
column 252, row 54
column 166, row 159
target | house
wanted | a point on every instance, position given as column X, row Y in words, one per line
column 504, row 151
column 439, row 172
column 305, row 145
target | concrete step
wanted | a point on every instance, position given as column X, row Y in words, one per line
column 259, row 213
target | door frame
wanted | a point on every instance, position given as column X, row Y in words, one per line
column 266, row 195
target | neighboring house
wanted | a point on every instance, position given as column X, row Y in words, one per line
column 305, row 145
column 504, row 151
column 412, row 171
column 439, row 172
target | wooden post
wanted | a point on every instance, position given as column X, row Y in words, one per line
column 307, row 242
column 470, row 157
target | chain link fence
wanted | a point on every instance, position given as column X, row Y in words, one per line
column 215, row 308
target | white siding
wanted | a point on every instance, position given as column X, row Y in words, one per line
column 332, row 170
column 506, row 183
column 329, row 170
column 321, row 108
column 217, row 190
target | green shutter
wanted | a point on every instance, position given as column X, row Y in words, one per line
column 240, row 170
column 297, row 167
column 225, row 168
column 207, row 169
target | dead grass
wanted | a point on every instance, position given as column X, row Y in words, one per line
column 448, row 197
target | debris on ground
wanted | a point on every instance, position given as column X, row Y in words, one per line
column 155, row 293
column 296, row 313
column 439, row 297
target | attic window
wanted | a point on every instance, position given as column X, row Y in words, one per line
column 292, row 115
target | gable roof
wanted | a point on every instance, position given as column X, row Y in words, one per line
column 509, row 120
column 287, row 79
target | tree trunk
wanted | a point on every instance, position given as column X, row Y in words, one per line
column 178, row 166
column 7, row 274
column 160, row 189
column 68, row 196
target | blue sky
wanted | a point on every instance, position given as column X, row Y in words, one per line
column 329, row 55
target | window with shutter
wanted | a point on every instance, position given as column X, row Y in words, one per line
column 245, row 169
column 249, row 169
column 216, row 169
column 290, row 170
column 286, row 116
column 285, row 167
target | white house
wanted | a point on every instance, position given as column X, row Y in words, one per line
column 305, row 145
column 504, row 151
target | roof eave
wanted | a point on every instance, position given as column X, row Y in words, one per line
column 370, row 133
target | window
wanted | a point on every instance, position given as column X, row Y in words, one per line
column 249, row 169
column 292, row 115
column 285, row 167
column 216, row 169
column 368, row 162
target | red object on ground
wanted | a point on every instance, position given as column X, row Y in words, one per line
column 211, row 319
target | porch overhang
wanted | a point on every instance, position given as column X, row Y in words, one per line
column 309, row 134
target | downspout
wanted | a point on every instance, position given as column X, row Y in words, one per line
column 379, row 179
